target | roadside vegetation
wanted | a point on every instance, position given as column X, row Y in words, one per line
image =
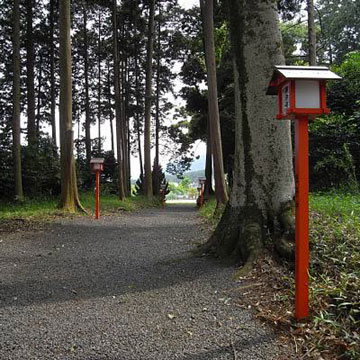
column 332, row 331
column 44, row 208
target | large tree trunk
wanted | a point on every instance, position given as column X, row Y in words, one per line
column 311, row 32
column 69, row 193
column 87, row 97
column 207, row 11
column 148, row 96
column 118, row 115
column 30, row 72
column 52, row 73
column 19, row 196
column 263, row 186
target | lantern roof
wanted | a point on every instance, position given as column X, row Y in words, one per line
column 300, row 72
column 97, row 161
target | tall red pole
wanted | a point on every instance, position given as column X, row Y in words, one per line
column 97, row 195
column 302, row 218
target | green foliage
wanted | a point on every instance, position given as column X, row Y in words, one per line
column 40, row 168
column 340, row 27
column 158, row 181
column 334, row 156
column 294, row 36
column 344, row 95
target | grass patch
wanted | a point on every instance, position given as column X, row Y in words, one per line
column 44, row 208
column 332, row 331
column 207, row 211
column 335, row 273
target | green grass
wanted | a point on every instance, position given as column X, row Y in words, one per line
column 207, row 211
column 47, row 207
column 333, row 327
column 335, row 272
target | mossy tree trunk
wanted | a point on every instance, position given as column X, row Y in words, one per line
column 263, row 183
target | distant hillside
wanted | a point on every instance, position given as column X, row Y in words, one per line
column 193, row 175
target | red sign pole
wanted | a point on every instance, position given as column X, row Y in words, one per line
column 302, row 218
column 97, row 195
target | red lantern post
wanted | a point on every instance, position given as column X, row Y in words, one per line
column 301, row 218
column 301, row 94
column 97, row 166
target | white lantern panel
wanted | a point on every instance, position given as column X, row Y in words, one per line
column 307, row 94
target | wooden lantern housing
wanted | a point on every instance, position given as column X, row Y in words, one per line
column 97, row 165
column 301, row 90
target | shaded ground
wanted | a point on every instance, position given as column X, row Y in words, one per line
column 122, row 288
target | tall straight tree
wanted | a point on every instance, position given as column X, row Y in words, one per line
column 52, row 71
column 118, row 105
column 30, row 72
column 157, row 104
column 69, row 193
column 99, row 82
column 87, row 96
column 263, row 182
column 16, row 102
column 207, row 11
column 311, row 32
column 148, row 98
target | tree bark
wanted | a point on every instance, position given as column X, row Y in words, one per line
column 69, row 193
column 99, row 84
column 110, row 110
column 87, row 97
column 157, row 109
column 263, row 184
column 137, row 116
column 30, row 72
column 148, row 98
column 207, row 7
column 118, row 116
column 52, row 73
column 311, row 32
column 38, row 114
column 19, row 195
column 208, row 191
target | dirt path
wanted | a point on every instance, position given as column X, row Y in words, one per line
column 122, row 288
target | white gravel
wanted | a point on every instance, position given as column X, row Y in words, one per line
column 123, row 287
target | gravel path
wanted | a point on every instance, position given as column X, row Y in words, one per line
column 122, row 287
